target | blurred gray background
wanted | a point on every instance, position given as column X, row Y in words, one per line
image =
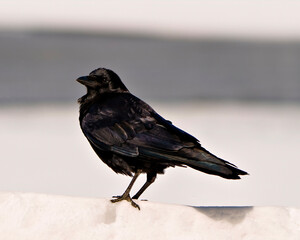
column 42, row 66
column 226, row 72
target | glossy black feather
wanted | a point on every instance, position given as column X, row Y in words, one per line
column 128, row 135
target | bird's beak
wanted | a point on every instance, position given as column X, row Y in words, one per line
column 85, row 80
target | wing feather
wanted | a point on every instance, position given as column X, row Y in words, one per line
column 132, row 129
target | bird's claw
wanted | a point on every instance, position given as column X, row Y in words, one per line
column 127, row 198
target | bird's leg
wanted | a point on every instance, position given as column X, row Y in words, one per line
column 150, row 179
column 126, row 195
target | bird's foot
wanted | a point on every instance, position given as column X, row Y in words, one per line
column 127, row 198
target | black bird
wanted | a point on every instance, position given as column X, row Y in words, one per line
column 131, row 138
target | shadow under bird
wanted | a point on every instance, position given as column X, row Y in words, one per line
column 131, row 138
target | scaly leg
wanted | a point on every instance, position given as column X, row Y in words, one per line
column 126, row 195
column 150, row 179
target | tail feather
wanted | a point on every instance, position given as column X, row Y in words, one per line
column 197, row 158
column 203, row 160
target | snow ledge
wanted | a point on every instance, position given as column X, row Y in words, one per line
column 38, row 216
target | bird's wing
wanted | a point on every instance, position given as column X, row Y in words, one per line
column 126, row 125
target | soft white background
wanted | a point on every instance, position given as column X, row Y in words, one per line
column 43, row 150
column 229, row 18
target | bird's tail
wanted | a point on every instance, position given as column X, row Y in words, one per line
column 202, row 160
column 197, row 158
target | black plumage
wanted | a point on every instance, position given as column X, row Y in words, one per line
column 131, row 138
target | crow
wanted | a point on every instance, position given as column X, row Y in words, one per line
column 131, row 138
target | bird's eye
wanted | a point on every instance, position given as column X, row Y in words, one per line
column 104, row 80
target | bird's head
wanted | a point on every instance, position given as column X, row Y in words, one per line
column 102, row 80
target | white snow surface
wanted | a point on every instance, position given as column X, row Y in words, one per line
column 39, row 216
